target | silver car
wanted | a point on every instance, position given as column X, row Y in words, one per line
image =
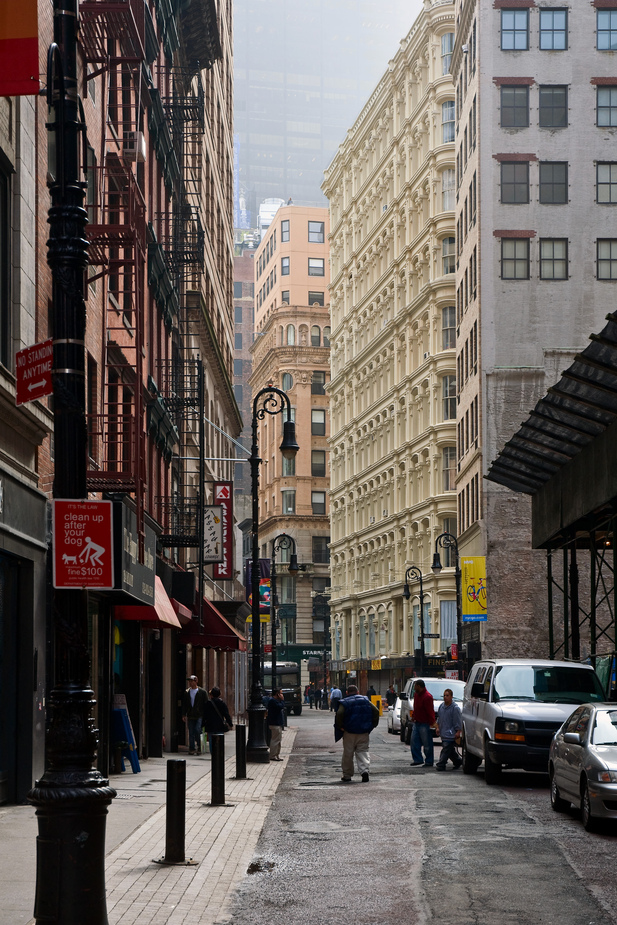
column 394, row 717
column 583, row 763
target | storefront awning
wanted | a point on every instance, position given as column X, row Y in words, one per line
column 161, row 613
column 217, row 632
column 183, row 613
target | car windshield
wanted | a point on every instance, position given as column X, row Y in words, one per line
column 605, row 729
column 437, row 687
column 547, row 684
column 283, row 680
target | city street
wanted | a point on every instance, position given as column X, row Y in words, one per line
column 418, row 846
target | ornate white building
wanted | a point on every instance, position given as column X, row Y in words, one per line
column 393, row 410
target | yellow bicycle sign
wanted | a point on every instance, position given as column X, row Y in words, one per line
column 473, row 575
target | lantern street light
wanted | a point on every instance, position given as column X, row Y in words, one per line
column 270, row 400
column 448, row 541
column 413, row 573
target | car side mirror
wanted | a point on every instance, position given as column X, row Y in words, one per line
column 477, row 691
column 572, row 738
column 403, row 696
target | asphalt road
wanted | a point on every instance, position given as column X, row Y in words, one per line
column 414, row 846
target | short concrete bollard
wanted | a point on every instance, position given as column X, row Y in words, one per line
column 218, row 770
column 175, row 818
column 240, row 751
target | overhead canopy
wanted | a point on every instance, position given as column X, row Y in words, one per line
column 217, row 632
column 162, row 612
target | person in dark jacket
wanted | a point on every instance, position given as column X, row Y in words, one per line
column 423, row 719
column 277, row 720
column 193, row 705
column 355, row 718
column 216, row 716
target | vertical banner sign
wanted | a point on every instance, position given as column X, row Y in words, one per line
column 19, row 48
column 473, row 573
column 83, row 544
column 223, row 496
column 213, row 533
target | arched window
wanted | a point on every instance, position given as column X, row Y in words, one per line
column 315, row 336
column 326, row 337
column 287, row 382
column 291, row 335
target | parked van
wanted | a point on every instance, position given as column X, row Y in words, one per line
column 512, row 708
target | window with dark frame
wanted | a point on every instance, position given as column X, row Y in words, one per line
column 315, row 336
column 553, row 107
column 289, row 501
column 316, row 232
column 515, row 182
column 607, row 258
column 318, row 502
column 606, row 102
column 514, row 102
column 606, row 30
column 553, row 30
column 316, row 298
column 318, row 382
column 321, row 553
column 515, row 258
column 553, row 258
column 318, row 464
column 287, row 382
column 514, row 30
column 318, row 422
column 285, row 296
column 606, row 184
column 284, row 266
column 316, row 266
column 285, row 230
column 553, row 176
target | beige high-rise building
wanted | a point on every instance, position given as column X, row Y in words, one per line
column 391, row 189
column 292, row 351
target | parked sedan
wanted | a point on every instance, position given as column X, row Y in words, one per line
column 583, row 763
column 393, row 717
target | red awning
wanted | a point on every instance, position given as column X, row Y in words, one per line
column 162, row 612
column 184, row 614
column 217, row 633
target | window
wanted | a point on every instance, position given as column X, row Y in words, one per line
column 289, row 465
column 515, row 258
column 326, row 336
column 448, row 457
column 237, row 367
column 287, row 382
column 448, row 189
column 553, row 30
column 316, row 298
column 318, row 502
column 607, row 258
column 447, row 122
column 318, row 383
column 287, row 595
column 318, row 422
column 237, row 290
column 514, row 30
column 316, row 232
column 238, row 392
column 553, row 258
column 447, row 44
column 606, row 186
column 553, row 182
column 315, row 336
column 553, row 107
column 321, row 553
column 285, row 230
column 285, row 296
column 238, row 341
column 448, row 255
column 292, row 417
column 607, row 107
column 316, row 266
column 448, row 326
column 514, row 106
column 607, row 30
column 515, row 182
column 284, row 266
column 318, row 463
column 291, row 335
column 448, row 391
column 289, row 501
column 237, row 313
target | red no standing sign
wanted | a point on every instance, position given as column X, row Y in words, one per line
column 83, row 544
column 33, row 372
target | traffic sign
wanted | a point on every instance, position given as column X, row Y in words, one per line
column 431, row 636
column 83, row 544
column 33, row 372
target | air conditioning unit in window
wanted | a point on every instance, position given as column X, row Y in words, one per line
column 134, row 147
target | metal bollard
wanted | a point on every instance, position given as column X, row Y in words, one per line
column 218, row 770
column 240, row 751
column 176, row 811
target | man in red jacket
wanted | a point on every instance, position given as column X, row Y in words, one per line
column 423, row 719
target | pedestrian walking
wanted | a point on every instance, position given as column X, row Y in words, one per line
column 194, row 701
column 311, row 696
column 423, row 719
column 277, row 720
column 336, row 695
column 371, row 692
column 449, row 726
column 391, row 696
column 216, row 716
column 318, row 696
column 306, row 694
column 355, row 718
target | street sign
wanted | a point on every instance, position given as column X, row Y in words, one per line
column 33, row 372
column 83, row 544
column 267, row 649
column 431, row 636
column 454, row 651
column 223, row 496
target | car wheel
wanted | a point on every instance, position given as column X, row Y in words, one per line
column 492, row 771
column 470, row 762
column 401, row 733
column 407, row 738
column 590, row 823
column 557, row 802
column 297, row 711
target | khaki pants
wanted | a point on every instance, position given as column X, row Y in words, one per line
column 355, row 743
column 276, row 735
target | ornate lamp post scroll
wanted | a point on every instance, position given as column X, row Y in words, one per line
column 448, row 541
column 413, row 573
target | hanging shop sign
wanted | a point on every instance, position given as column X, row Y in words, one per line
column 19, row 48
column 213, row 533
column 223, row 496
column 473, row 575
column 83, row 544
column 132, row 576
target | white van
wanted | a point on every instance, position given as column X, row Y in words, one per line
column 512, row 708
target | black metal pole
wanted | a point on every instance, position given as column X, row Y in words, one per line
column 217, row 777
column 175, row 811
column 71, row 797
column 415, row 574
column 240, row 751
column 273, row 605
column 448, row 541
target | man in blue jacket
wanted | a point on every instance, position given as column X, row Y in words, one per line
column 355, row 718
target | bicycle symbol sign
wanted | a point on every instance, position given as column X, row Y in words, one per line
column 473, row 571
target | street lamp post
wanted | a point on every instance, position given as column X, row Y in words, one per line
column 448, row 541
column 282, row 541
column 413, row 573
column 269, row 400
column 72, row 797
